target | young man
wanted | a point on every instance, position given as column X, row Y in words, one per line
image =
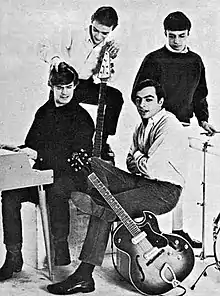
column 182, row 74
column 82, row 49
column 156, row 161
column 60, row 127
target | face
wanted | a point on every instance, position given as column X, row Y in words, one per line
column 63, row 94
column 147, row 102
column 177, row 40
column 99, row 32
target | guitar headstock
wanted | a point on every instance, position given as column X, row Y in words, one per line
column 104, row 68
column 80, row 160
column 105, row 71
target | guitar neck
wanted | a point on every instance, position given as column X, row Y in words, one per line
column 99, row 121
column 115, row 205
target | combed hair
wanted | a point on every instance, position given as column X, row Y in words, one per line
column 160, row 92
column 66, row 74
column 177, row 21
column 106, row 15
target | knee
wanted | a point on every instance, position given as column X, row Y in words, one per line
column 115, row 97
column 10, row 200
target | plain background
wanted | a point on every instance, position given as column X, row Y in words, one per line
column 26, row 25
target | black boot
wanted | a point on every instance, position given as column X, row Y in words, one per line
column 62, row 254
column 107, row 154
column 13, row 262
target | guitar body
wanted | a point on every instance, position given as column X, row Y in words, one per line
column 149, row 263
column 158, row 262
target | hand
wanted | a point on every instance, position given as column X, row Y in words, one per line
column 54, row 63
column 31, row 153
column 208, row 127
column 113, row 49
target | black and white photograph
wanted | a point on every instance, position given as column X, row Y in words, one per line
column 109, row 147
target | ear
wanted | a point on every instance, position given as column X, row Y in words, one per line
column 165, row 33
column 161, row 101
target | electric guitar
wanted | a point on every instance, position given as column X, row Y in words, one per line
column 104, row 70
column 158, row 262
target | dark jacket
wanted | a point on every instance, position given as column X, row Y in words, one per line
column 57, row 132
column 183, row 77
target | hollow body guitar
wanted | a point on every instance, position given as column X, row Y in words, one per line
column 158, row 262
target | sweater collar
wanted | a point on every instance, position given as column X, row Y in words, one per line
column 185, row 50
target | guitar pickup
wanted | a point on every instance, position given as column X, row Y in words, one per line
column 135, row 240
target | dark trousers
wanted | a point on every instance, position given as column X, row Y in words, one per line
column 57, row 195
column 88, row 92
column 134, row 193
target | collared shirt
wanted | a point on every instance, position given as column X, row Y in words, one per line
column 76, row 48
column 162, row 152
column 185, row 50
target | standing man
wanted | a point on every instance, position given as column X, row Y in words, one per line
column 81, row 49
column 156, row 162
column 60, row 127
column 182, row 74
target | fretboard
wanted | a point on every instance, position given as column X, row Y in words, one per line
column 115, row 205
column 99, row 121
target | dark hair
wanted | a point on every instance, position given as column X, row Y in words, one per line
column 106, row 15
column 160, row 92
column 65, row 75
column 177, row 21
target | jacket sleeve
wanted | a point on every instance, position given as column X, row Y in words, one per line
column 34, row 138
column 84, row 135
column 133, row 155
column 165, row 154
column 200, row 104
column 56, row 46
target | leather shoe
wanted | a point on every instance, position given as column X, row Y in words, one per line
column 88, row 206
column 196, row 244
column 73, row 284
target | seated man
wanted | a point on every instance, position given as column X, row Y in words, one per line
column 157, row 164
column 61, row 127
column 81, row 49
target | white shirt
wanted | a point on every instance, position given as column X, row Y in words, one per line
column 78, row 50
column 162, row 152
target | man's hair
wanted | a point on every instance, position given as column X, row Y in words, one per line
column 159, row 90
column 107, row 16
column 177, row 21
column 66, row 74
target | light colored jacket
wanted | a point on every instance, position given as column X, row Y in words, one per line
column 162, row 152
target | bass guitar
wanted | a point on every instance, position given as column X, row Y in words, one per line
column 104, row 70
column 158, row 262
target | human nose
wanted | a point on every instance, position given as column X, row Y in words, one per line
column 176, row 40
column 142, row 103
column 64, row 90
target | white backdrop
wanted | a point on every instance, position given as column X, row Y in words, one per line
column 25, row 24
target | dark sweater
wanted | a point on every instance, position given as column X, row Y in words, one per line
column 57, row 132
column 183, row 77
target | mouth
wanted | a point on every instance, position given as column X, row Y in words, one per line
column 143, row 112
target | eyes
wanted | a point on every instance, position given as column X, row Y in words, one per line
column 62, row 87
column 181, row 36
column 139, row 100
column 95, row 30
